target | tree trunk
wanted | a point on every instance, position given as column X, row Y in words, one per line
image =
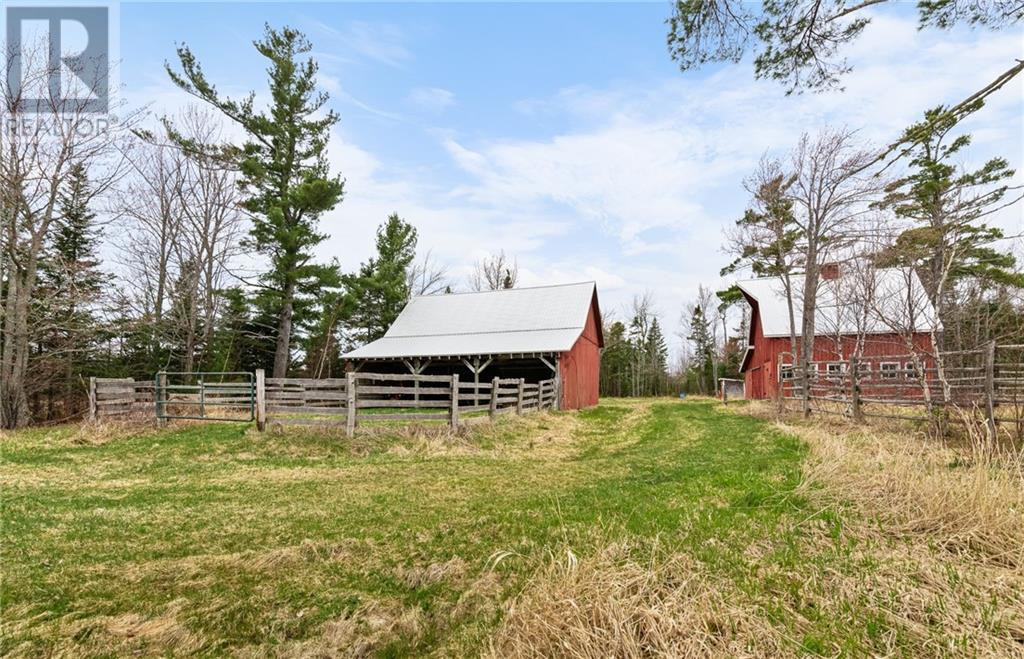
column 14, row 408
column 807, row 327
column 282, row 352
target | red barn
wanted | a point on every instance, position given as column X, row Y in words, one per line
column 533, row 333
column 885, row 310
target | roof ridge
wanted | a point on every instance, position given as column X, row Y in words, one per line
column 506, row 290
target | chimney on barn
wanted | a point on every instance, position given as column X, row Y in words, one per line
column 830, row 270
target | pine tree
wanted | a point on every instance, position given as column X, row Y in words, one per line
column 380, row 289
column 657, row 355
column 243, row 338
column 284, row 171
column 949, row 241
column 703, row 349
column 615, row 361
column 70, row 286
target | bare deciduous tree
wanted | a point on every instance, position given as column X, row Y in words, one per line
column 831, row 192
column 42, row 143
column 427, row 277
column 494, row 273
column 182, row 228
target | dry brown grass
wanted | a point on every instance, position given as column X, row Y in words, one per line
column 536, row 433
column 966, row 496
column 610, row 605
column 99, row 432
column 361, row 633
column 130, row 634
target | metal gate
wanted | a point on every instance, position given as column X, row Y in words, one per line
column 208, row 396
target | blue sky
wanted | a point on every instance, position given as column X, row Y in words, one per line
column 563, row 133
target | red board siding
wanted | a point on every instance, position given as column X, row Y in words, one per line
column 761, row 375
column 581, row 367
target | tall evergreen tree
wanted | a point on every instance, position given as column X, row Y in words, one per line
column 703, row 348
column 949, row 240
column 615, row 361
column 380, row 289
column 70, row 286
column 657, row 354
column 284, row 170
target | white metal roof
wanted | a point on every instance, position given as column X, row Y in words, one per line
column 544, row 319
column 883, row 301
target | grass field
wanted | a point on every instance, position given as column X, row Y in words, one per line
column 636, row 528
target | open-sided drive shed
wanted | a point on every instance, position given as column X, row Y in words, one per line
column 530, row 333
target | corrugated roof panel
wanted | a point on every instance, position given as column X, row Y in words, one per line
column 514, row 321
column 896, row 302
column 453, row 345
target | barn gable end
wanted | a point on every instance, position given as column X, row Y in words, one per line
column 580, row 368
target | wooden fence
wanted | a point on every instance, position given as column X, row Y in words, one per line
column 988, row 380
column 357, row 398
column 389, row 398
column 118, row 397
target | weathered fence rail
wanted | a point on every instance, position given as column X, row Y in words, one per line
column 118, row 397
column 988, row 381
column 349, row 401
column 395, row 397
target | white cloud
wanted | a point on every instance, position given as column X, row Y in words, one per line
column 432, row 99
column 377, row 41
column 636, row 194
column 658, row 170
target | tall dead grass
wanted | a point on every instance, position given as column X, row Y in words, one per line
column 965, row 495
column 610, row 605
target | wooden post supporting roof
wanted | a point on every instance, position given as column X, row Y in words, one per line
column 557, row 403
column 476, row 368
column 416, row 367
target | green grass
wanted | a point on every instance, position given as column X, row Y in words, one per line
column 214, row 539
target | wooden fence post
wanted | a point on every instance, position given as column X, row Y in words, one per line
column 493, row 412
column 350, row 404
column 455, row 401
column 855, row 410
column 92, row 399
column 161, row 398
column 990, row 389
column 261, row 400
column 519, row 400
